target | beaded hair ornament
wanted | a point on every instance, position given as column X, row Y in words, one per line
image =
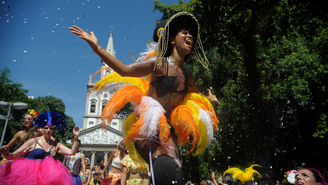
column 179, row 20
column 51, row 119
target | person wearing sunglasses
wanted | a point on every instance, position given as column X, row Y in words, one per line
column 40, row 167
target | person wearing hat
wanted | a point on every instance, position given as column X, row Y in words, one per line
column 40, row 166
column 168, row 108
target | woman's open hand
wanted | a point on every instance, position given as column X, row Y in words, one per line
column 212, row 97
column 76, row 131
column 90, row 38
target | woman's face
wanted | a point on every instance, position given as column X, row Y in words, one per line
column 86, row 162
column 48, row 130
column 183, row 41
column 101, row 163
column 28, row 120
column 305, row 177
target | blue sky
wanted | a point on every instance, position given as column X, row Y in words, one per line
column 42, row 54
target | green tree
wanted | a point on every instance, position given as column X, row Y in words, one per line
column 11, row 92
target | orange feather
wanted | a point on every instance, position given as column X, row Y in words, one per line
column 164, row 131
column 119, row 100
column 99, row 71
column 205, row 104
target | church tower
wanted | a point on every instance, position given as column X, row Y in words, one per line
column 95, row 104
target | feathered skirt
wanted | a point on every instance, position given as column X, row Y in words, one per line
column 194, row 118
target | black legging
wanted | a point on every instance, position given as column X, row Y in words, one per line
column 166, row 171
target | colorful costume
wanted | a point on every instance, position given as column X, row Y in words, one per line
column 38, row 168
column 192, row 117
column 74, row 164
column 134, row 168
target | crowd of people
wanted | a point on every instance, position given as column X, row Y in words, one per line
column 168, row 108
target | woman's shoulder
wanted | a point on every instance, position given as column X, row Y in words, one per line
column 20, row 134
column 32, row 140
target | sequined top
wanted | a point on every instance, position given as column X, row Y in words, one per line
column 74, row 163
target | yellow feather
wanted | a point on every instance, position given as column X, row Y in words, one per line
column 202, row 141
column 135, row 156
column 244, row 176
column 116, row 78
column 128, row 122
column 201, row 100
column 205, row 104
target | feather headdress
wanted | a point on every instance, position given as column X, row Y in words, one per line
column 51, row 119
column 244, row 176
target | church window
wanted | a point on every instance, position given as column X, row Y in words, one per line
column 90, row 122
column 93, row 107
column 114, row 123
column 104, row 103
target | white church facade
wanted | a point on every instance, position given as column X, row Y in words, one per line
column 95, row 142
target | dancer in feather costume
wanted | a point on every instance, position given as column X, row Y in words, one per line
column 168, row 108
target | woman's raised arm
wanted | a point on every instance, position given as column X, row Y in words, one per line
column 133, row 70
column 62, row 149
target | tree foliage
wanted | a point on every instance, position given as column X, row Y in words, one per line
column 268, row 65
